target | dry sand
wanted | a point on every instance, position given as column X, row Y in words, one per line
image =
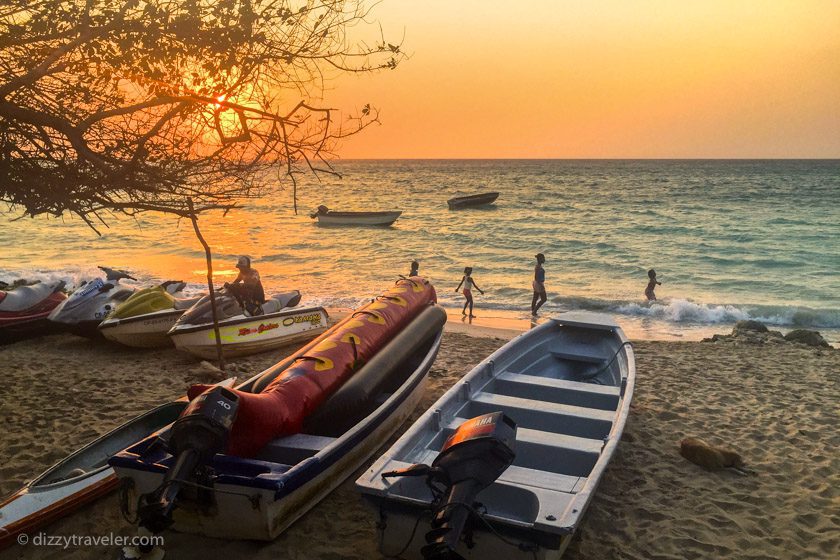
column 777, row 404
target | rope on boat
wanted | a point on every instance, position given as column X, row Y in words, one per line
column 592, row 376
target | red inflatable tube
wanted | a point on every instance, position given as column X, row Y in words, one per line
column 323, row 367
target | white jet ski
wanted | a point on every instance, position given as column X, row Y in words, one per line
column 241, row 334
column 143, row 320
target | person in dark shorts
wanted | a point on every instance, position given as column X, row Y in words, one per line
column 251, row 289
column 468, row 283
column 539, row 285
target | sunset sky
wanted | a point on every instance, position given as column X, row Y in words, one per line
column 603, row 79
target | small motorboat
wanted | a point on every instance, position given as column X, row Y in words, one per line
column 565, row 388
column 144, row 319
column 90, row 303
column 280, row 324
column 328, row 217
column 247, row 463
column 24, row 310
column 81, row 477
column 472, row 200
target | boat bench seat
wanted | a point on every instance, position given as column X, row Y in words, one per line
column 577, row 357
column 562, row 391
column 540, row 479
column 537, row 414
column 294, row 448
column 551, row 452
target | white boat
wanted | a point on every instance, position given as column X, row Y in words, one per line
column 329, row 217
column 279, row 325
column 145, row 318
column 567, row 384
column 259, row 497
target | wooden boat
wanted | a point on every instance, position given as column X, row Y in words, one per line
column 567, row 384
column 328, row 217
column 281, row 324
column 260, row 496
column 81, row 477
column 460, row 202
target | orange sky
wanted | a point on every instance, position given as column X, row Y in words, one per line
column 603, row 79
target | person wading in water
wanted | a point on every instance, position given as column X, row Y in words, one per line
column 539, row 285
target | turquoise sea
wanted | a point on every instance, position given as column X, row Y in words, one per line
column 729, row 239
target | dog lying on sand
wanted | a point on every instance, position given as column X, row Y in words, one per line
column 712, row 458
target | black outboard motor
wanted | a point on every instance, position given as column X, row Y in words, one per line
column 201, row 431
column 471, row 459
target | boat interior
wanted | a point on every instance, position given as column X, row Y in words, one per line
column 95, row 455
column 562, row 388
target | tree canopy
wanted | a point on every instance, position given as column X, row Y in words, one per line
column 134, row 105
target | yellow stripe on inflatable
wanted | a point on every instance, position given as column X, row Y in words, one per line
column 323, row 364
column 351, row 336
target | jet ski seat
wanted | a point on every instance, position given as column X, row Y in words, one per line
column 280, row 301
column 184, row 303
column 24, row 297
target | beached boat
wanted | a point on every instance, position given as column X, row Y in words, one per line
column 145, row 318
column 258, row 494
column 472, row 200
column 329, row 217
column 567, row 385
column 78, row 479
column 24, row 310
column 280, row 324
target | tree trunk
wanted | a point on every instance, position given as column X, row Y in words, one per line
column 219, row 353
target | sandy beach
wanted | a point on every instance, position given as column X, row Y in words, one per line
column 775, row 403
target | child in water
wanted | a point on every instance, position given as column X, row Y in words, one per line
column 415, row 269
column 468, row 284
column 651, row 285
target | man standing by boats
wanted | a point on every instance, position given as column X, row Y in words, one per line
column 251, row 291
column 539, row 285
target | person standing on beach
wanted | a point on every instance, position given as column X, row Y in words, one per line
column 415, row 269
column 539, row 285
column 468, row 283
column 652, row 284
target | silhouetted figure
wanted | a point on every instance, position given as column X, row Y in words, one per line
column 415, row 269
column 539, row 285
column 652, row 284
column 251, row 291
column 468, row 284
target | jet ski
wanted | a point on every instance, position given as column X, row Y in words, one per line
column 143, row 320
column 24, row 309
column 241, row 333
column 93, row 301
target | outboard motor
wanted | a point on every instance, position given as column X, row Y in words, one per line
column 471, row 459
column 201, row 431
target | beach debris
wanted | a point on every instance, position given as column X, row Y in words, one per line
column 804, row 336
column 712, row 458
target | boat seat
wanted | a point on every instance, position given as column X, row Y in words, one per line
column 550, row 451
column 562, row 391
column 541, row 415
column 24, row 297
column 575, row 357
column 294, row 448
column 540, row 479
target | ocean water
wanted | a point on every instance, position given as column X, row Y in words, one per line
column 729, row 240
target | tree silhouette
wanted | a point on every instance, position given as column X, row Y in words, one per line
column 129, row 106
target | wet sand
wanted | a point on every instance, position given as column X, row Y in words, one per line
column 776, row 404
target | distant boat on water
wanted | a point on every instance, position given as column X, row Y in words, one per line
column 460, row 202
column 329, row 217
